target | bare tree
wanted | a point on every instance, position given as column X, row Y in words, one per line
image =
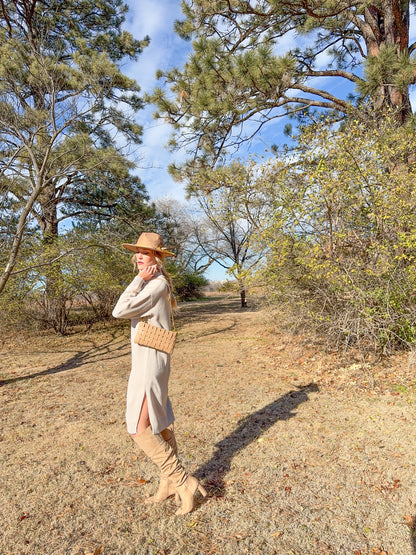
column 234, row 212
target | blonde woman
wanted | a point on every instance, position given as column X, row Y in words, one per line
column 149, row 414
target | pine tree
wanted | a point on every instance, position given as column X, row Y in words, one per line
column 255, row 61
column 64, row 106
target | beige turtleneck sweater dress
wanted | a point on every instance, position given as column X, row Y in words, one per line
column 150, row 369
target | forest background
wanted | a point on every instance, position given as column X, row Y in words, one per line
column 324, row 226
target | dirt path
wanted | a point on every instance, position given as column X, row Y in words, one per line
column 299, row 454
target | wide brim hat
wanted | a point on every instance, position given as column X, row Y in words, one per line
column 152, row 241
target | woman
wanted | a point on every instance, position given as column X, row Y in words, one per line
column 149, row 412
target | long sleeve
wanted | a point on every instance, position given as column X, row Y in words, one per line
column 135, row 301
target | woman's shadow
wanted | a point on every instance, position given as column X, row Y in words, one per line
column 248, row 430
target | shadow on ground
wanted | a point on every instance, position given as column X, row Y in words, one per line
column 249, row 429
column 189, row 312
column 105, row 351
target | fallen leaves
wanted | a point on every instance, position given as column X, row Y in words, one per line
column 389, row 487
column 277, row 534
column 97, row 551
column 384, row 488
column 374, row 550
column 410, row 521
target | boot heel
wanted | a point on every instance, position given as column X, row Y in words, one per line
column 202, row 490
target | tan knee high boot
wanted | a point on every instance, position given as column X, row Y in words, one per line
column 163, row 456
column 166, row 488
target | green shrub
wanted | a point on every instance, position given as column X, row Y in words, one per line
column 342, row 235
column 188, row 286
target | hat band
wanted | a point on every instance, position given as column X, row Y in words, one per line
column 150, row 248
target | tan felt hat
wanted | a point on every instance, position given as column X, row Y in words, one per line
column 151, row 241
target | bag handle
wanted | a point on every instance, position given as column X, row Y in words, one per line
column 170, row 293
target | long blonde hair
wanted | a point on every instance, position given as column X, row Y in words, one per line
column 164, row 272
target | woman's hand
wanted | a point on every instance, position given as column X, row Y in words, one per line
column 148, row 272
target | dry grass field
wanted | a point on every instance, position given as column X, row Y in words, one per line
column 302, row 451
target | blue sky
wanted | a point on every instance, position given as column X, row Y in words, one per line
column 166, row 50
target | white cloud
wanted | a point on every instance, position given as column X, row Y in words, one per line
column 166, row 49
column 157, row 133
column 289, row 41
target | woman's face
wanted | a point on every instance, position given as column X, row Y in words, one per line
column 144, row 258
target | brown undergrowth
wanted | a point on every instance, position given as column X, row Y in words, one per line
column 302, row 451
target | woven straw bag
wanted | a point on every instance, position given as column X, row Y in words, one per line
column 155, row 337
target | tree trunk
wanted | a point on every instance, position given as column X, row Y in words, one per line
column 21, row 225
column 389, row 27
column 56, row 314
column 242, row 294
